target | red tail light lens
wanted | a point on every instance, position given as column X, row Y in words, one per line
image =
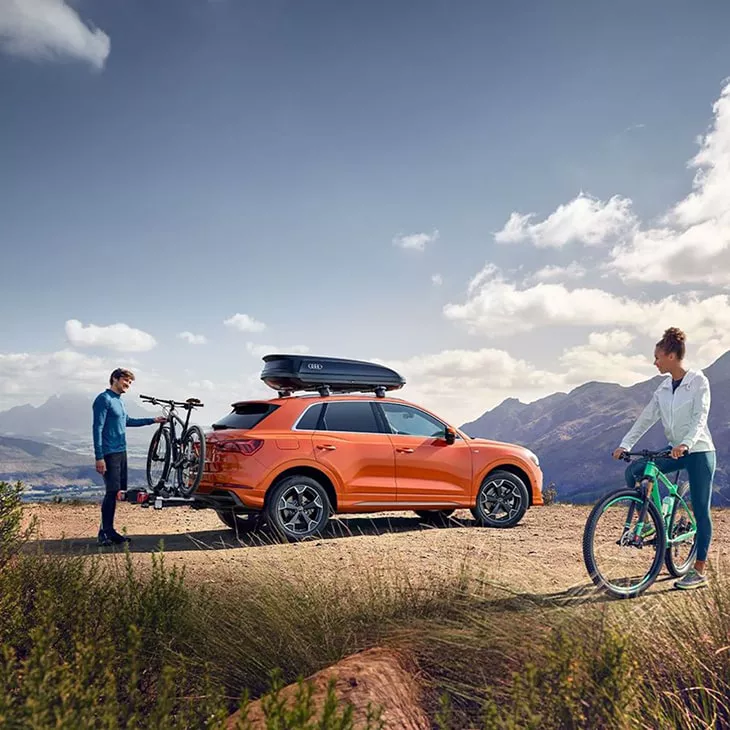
column 240, row 446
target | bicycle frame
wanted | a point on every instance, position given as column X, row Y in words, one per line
column 648, row 484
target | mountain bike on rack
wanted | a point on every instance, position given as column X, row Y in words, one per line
column 183, row 454
column 631, row 532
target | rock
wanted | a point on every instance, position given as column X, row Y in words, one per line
column 381, row 677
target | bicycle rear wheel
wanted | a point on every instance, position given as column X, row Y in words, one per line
column 680, row 556
column 190, row 471
column 619, row 559
column 158, row 458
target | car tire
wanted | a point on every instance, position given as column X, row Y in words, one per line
column 435, row 517
column 502, row 500
column 297, row 507
column 243, row 523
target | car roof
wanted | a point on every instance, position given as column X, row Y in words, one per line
column 315, row 397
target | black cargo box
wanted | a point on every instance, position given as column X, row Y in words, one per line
column 291, row 373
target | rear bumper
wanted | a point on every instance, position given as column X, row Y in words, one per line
column 222, row 499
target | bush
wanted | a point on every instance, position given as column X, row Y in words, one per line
column 550, row 494
column 12, row 534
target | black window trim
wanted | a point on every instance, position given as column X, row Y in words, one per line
column 379, row 417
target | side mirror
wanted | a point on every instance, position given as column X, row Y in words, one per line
column 449, row 435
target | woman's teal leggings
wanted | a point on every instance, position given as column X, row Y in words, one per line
column 700, row 467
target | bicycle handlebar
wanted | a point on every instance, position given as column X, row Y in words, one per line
column 189, row 403
column 646, row 454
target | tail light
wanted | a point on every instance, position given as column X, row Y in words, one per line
column 240, row 446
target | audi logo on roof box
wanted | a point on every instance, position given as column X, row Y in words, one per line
column 315, row 366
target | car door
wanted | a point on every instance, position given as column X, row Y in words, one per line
column 428, row 469
column 350, row 440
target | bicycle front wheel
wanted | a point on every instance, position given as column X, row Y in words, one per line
column 621, row 558
column 158, row 458
column 190, row 471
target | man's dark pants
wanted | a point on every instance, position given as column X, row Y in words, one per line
column 115, row 479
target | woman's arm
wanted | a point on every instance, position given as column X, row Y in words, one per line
column 648, row 417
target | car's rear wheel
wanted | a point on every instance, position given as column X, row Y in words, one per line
column 297, row 507
column 436, row 517
column 241, row 523
column 502, row 500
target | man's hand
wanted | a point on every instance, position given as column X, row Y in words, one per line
column 679, row 451
column 160, row 419
column 618, row 453
column 101, row 466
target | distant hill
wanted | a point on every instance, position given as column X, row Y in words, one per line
column 574, row 433
column 65, row 420
column 45, row 467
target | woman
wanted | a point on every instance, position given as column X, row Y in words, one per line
column 683, row 404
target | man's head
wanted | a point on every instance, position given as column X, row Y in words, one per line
column 120, row 380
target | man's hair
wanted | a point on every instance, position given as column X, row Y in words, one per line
column 673, row 342
column 120, row 373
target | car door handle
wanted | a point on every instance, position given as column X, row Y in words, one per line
column 404, row 450
column 326, row 447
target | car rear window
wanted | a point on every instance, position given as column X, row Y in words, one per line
column 245, row 416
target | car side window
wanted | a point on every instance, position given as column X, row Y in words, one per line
column 310, row 418
column 409, row 421
column 350, row 416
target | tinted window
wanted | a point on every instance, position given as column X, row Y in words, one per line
column 310, row 418
column 245, row 415
column 355, row 416
column 410, row 421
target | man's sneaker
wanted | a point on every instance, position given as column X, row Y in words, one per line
column 118, row 539
column 693, row 579
column 103, row 541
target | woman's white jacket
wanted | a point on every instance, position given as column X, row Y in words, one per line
column 683, row 414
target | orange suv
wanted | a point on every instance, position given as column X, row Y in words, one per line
column 348, row 447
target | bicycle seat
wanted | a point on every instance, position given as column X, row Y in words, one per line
column 193, row 400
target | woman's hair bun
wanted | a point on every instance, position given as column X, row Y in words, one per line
column 675, row 334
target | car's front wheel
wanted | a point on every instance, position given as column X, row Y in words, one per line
column 298, row 507
column 502, row 500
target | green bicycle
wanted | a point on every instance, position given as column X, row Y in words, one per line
column 631, row 532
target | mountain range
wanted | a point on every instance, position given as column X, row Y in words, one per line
column 575, row 433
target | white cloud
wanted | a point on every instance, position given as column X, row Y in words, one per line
column 582, row 220
column 120, row 337
column 690, row 245
column 437, row 280
column 31, row 376
column 605, row 358
column 192, row 339
column 50, row 29
column 497, row 307
column 207, row 385
column 607, row 342
column 415, row 241
column 244, row 323
column 555, row 273
column 261, row 350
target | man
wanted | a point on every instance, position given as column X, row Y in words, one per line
column 110, row 447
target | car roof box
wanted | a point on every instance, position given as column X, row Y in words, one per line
column 327, row 375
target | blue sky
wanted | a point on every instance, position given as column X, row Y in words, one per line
column 343, row 173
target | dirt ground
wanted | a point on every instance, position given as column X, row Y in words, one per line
column 542, row 555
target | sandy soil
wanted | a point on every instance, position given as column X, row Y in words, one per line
column 542, row 555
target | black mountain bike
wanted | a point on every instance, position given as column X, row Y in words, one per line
column 168, row 452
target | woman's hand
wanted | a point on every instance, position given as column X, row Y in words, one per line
column 679, row 451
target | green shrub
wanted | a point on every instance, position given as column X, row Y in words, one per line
column 12, row 534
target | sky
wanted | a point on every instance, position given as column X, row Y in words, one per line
column 498, row 199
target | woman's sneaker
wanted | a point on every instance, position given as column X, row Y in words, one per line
column 693, row 579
